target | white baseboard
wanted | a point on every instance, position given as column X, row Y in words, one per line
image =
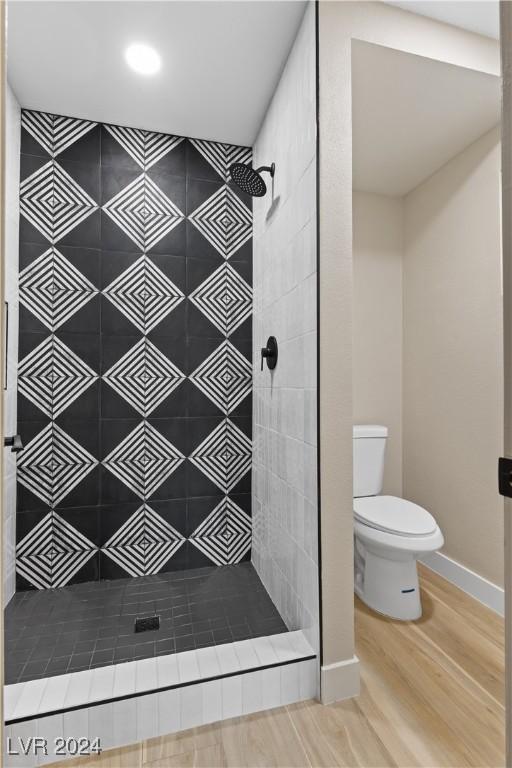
column 470, row 582
column 339, row 681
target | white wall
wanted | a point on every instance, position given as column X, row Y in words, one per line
column 427, row 309
column 285, row 524
column 339, row 24
column 453, row 366
column 12, row 182
column 377, row 323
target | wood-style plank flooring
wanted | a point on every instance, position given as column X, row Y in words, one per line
column 432, row 695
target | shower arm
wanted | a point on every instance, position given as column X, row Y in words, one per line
column 268, row 168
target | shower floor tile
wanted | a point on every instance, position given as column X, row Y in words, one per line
column 54, row 631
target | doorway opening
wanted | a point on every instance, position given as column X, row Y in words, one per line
column 428, row 390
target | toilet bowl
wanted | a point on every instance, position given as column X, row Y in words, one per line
column 390, row 534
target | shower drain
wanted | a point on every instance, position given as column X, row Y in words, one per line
column 146, row 623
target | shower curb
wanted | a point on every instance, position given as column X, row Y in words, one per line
column 136, row 695
column 137, row 715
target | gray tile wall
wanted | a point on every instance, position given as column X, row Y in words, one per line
column 285, row 523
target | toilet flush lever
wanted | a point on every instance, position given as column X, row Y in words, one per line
column 505, row 477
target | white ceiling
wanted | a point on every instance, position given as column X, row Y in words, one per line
column 481, row 16
column 411, row 114
column 221, row 62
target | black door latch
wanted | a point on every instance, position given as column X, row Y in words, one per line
column 14, row 442
column 505, row 477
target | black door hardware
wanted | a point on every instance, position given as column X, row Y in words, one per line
column 14, row 441
column 270, row 353
column 505, row 477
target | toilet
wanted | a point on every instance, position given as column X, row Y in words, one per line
column 390, row 533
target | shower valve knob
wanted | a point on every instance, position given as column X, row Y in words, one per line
column 269, row 353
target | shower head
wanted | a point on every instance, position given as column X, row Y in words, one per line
column 250, row 180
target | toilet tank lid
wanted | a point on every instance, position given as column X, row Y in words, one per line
column 369, row 430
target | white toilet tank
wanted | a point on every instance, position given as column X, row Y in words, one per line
column 369, row 446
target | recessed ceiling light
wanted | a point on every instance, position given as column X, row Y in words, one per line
column 143, row 59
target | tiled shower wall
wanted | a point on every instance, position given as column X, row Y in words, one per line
column 134, row 371
column 285, row 516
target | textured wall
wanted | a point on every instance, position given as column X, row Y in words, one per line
column 453, row 354
column 285, row 538
column 135, row 353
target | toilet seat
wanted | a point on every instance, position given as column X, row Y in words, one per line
column 393, row 515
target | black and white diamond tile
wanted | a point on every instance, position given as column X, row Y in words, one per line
column 67, row 131
column 161, row 296
column 221, row 156
column 35, row 377
column 224, row 298
column 224, row 456
column 71, row 376
column 143, row 212
column 225, row 535
column 35, row 466
column 152, row 350
column 128, row 210
column 53, row 202
column 33, row 554
column 157, row 146
column 162, row 215
column 131, row 139
column 144, row 460
column 37, row 201
column 53, row 289
column 144, row 294
column 225, row 377
column 144, row 147
column 52, row 464
column 52, row 376
column 52, row 552
column 144, row 543
column 53, row 132
column 144, row 377
column 162, row 541
column 224, row 220
column 40, row 126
